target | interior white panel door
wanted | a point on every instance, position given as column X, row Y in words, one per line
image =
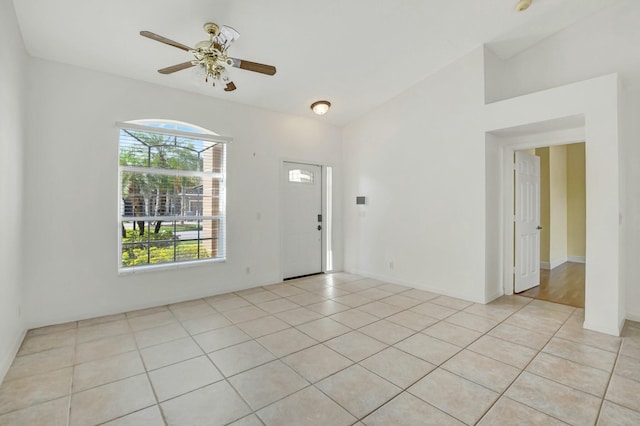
column 527, row 222
column 302, row 220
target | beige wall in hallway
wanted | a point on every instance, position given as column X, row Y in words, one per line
column 576, row 201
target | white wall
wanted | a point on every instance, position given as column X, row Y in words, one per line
column 12, row 59
column 605, row 42
column 420, row 161
column 71, row 192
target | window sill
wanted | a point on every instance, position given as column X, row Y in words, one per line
column 165, row 266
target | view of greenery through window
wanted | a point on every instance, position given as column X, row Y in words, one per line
column 172, row 197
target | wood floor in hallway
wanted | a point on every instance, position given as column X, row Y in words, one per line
column 564, row 284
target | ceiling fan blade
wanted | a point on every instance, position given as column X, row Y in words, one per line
column 230, row 87
column 253, row 66
column 177, row 67
column 156, row 37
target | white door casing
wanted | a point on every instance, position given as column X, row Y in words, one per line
column 527, row 222
column 301, row 219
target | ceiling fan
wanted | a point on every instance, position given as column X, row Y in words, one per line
column 211, row 55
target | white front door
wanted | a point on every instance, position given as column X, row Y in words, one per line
column 527, row 222
column 302, row 219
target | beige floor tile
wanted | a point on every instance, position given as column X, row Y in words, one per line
column 40, row 362
column 412, row 320
column 535, row 323
column 451, row 302
column 286, row 342
column 509, row 412
column 107, row 402
column 472, row 322
column 375, row 293
column 328, row 307
column 298, row 316
column 261, row 296
column 170, row 353
column 428, row 348
column 577, row 376
column 147, row 417
column 582, row 354
column 331, row 292
column 387, row 331
column 51, row 413
column 221, row 338
column 482, row 370
column 624, row 392
column 101, row 320
column 307, row 407
column 262, row 326
column 317, row 362
column 615, row 415
column 197, row 310
column 147, row 311
column 631, row 348
column 628, row 367
column 432, row 310
column 587, row 337
column 241, row 357
column 420, row 294
column 559, row 401
column 277, row 305
column 355, row 346
column 243, row 314
column 55, row 328
column 43, row 342
column 250, row 420
column 251, row 290
column 401, row 301
column 157, row 319
column 455, row 334
column 287, row 290
column 553, row 306
column 268, row 383
column 380, row 309
column 358, row 390
column 28, row 391
column 100, row 331
column 216, row 404
column 407, row 410
column 354, row 318
column 226, row 303
column 323, row 329
column 543, row 311
column 183, row 377
column 106, row 370
column 353, row 300
column 453, row 394
column 305, row 299
column 393, row 288
column 398, row 367
column 206, row 323
column 162, row 334
column 104, row 348
column 520, row 336
column 504, row 351
column 494, row 312
column 355, row 286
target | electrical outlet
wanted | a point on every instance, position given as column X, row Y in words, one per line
column 248, row 269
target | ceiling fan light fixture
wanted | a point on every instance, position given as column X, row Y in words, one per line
column 523, row 5
column 320, row 107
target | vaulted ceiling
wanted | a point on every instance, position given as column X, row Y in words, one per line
column 355, row 53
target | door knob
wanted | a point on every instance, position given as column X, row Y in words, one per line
column 539, row 227
column 319, row 227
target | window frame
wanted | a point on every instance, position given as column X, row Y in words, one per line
column 155, row 126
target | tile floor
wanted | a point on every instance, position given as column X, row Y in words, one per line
column 327, row 350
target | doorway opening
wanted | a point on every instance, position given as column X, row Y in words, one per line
column 560, row 205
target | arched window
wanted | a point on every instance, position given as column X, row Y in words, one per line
column 172, row 193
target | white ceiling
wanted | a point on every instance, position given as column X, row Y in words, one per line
column 355, row 53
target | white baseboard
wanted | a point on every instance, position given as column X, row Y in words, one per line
column 633, row 317
column 553, row 264
column 577, row 259
column 10, row 354
column 614, row 330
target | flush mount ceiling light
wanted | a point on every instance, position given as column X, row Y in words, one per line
column 523, row 5
column 320, row 107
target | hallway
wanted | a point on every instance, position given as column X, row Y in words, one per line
column 564, row 284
